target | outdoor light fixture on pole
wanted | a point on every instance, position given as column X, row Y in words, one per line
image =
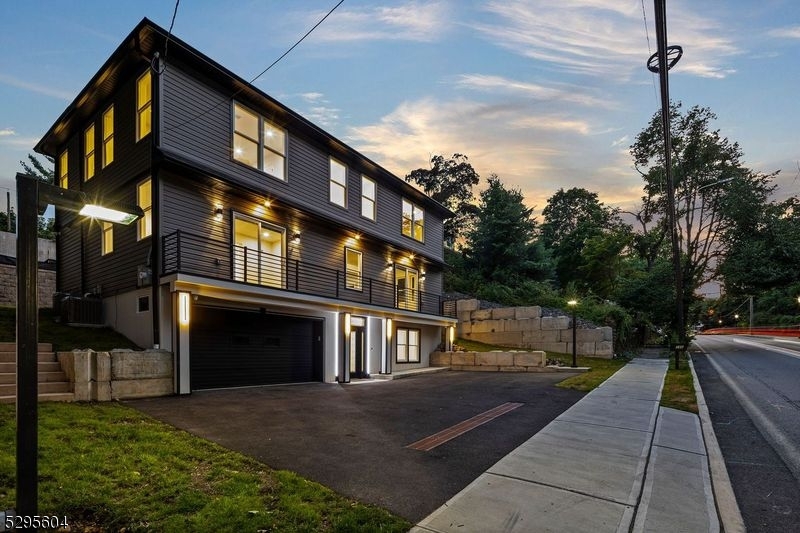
column 573, row 304
column 664, row 59
column 33, row 197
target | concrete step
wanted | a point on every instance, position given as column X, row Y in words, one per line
column 50, row 366
column 44, row 397
column 12, row 347
column 9, row 378
column 11, row 357
column 48, row 387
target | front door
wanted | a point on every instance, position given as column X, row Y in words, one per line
column 258, row 252
column 358, row 361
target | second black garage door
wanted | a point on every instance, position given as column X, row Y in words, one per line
column 233, row 348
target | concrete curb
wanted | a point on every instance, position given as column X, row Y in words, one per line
column 727, row 507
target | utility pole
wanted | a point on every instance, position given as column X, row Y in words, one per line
column 660, row 62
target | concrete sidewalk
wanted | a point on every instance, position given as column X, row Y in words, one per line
column 614, row 462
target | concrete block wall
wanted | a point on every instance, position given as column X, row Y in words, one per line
column 119, row 374
column 526, row 328
column 8, row 286
column 522, row 361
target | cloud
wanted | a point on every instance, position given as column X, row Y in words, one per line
column 603, row 38
column 531, row 151
column 5, row 132
column 561, row 92
column 37, row 88
column 619, row 142
column 788, row 32
column 312, row 97
column 413, row 21
column 319, row 112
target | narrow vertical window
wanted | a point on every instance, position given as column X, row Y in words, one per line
column 106, row 237
column 108, row 136
column 88, row 153
column 368, row 198
column 144, row 199
column 144, row 105
column 63, row 170
column 338, row 180
column 353, row 266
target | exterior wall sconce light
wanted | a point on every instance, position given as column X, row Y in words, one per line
column 388, row 329
column 267, row 203
column 389, row 265
column 347, row 325
column 218, row 213
column 295, row 238
column 184, row 302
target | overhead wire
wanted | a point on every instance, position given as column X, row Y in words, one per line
column 210, row 109
column 154, row 62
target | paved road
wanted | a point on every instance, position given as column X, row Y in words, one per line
column 752, row 389
column 353, row 438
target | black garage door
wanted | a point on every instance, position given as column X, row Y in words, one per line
column 231, row 348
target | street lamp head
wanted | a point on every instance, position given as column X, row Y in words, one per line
column 574, row 302
column 108, row 214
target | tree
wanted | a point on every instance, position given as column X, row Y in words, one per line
column 450, row 182
column 501, row 245
column 6, row 224
column 37, row 169
column 712, row 188
column 572, row 218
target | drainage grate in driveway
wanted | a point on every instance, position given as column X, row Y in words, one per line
column 437, row 439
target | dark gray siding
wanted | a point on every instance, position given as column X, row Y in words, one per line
column 197, row 123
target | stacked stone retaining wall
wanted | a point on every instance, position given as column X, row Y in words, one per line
column 526, row 328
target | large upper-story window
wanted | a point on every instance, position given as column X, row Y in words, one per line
column 258, row 143
column 144, row 105
column 88, row 153
column 108, row 136
column 144, row 199
column 63, row 170
column 369, row 194
column 413, row 221
column 338, row 180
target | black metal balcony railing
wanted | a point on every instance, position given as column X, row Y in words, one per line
column 192, row 254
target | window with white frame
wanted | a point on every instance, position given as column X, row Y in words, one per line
column 106, row 237
column 338, row 179
column 407, row 345
column 413, row 221
column 258, row 143
column 108, row 136
column 144, row 199
column 369, row 195
column 353, row 269
column 63, row 170
column 144, row 105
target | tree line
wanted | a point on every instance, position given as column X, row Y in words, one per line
column 618, row 264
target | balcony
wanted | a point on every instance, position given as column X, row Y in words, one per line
column 186, row 253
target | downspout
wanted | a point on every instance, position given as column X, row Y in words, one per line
column 155, row 164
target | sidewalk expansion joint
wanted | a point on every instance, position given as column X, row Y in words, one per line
column 700, row 454
column 557, row 487
column 651, row 431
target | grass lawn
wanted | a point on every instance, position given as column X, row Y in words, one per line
column 600, row 369
column 678, row 390
column 107, row 467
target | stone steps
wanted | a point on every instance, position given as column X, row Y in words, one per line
column 53, row 384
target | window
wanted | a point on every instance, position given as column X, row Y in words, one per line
column 353, row 272
column 144, row 199
column 405, row 283
column 413, row 221
column 144, row 106
column 143, row 304
column 368, row 196
column 258, row 143
column 259, row 252
column 108, row 136
column 338, row 183
column 407, row 345
column 63, row 170
column 106, row 237
column 88, row 153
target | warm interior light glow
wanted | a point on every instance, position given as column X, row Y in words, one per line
column 347, row 324
column 184, row 299
column 389, row 328
column 109, row 215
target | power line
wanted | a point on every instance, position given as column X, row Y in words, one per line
column 153, row 61
column 649, row 51
column 207, row 111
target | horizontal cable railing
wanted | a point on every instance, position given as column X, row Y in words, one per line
column 187, row 253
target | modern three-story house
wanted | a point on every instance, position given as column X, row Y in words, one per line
column 270, row 251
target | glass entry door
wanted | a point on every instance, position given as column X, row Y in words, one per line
column 405, row 282
column 258, row 252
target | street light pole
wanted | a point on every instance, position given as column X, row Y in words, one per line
column 33, row 196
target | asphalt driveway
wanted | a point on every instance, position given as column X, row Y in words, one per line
column 352, row 438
